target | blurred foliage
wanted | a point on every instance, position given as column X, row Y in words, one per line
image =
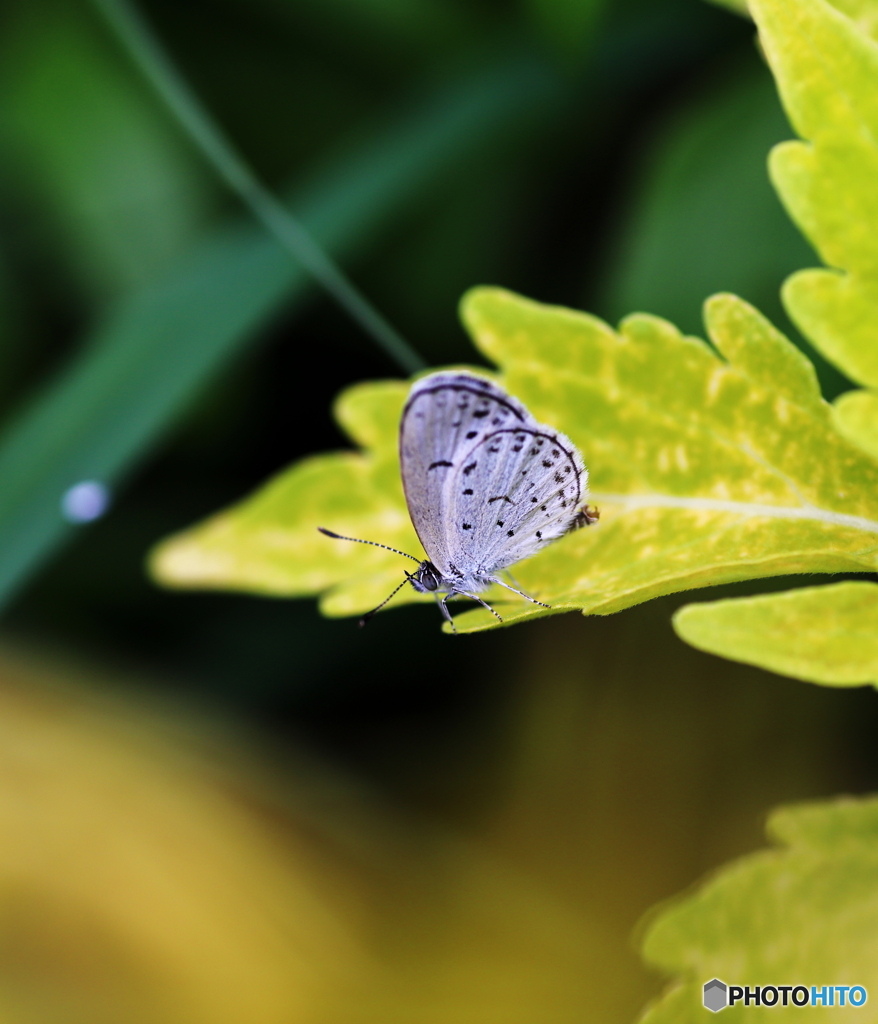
column 825, row 871
column 567, row 26
column 159, row 865
column 479, row 829
column 96, row 419
column 103, row 173
column 133, row 886
column 740, row 6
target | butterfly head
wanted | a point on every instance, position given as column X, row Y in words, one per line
column 426, row 578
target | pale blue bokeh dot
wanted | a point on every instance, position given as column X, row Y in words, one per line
column 85, row 501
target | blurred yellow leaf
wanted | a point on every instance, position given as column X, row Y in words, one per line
column 134, row 889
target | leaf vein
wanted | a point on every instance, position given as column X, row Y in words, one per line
column 633, row 502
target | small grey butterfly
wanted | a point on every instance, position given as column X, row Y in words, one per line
column 486, row 486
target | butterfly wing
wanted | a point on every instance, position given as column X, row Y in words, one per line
column 486, row 485
column 445, row 417
column 531, row 483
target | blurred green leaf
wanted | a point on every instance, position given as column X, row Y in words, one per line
column 738, row 6
column 803, row 914
column 159, row 346
column 707, row 218
column 566, row 25
column 821, row 634
column 389, row 27
column 703, row 469
column 91, row 146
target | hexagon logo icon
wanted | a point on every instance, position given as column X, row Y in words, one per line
column 716, row 995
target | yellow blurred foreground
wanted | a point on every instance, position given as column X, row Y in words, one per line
column 147, row 875
column 156, row 871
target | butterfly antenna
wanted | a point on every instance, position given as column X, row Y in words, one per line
column 375, row 544
column 378, row 608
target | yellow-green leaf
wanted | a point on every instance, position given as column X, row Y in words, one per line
column 856, row 416
column 821, row 634
column 703, row 466
column 269, row 544
column 826, row 65
column 803, row 914
column 863, row 12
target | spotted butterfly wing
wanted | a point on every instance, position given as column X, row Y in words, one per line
column 445, row 416
column 486, row 485
column 532, row 481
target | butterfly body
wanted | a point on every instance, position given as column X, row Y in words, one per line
column 427, row 579
column 486, row 485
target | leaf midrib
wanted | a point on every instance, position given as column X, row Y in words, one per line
column 744, row 508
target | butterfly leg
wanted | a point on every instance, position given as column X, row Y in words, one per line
column 443, row 607
column 521, row 593
column 511, row 578
column 475, row 597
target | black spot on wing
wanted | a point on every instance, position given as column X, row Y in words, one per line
column 439, row 464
